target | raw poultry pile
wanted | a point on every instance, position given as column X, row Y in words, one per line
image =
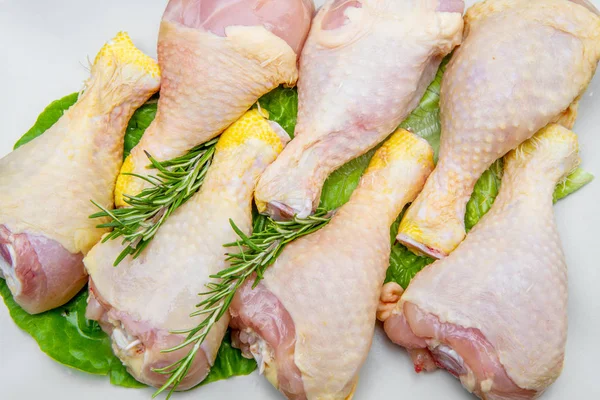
column 492, row 310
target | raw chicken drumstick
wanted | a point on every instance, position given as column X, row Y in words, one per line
column 494, row 313
column 364, row 68
column 217, row 58
column 46, row 185
column 522, row 65
column 310, row 322
column 141, row 301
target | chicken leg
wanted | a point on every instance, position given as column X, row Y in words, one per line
column 46, row 185
column 522, row 65
column 365, row 66
column 305, row 323
column 494, row 313
column 142, row 300
column 217, row 58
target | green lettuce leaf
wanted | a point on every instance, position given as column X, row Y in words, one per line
column 69, row 338
column 484, row 194
column 578, row 179
column 425, row 122
column 425, row 119
column 404, row 264
column 47, row 118
column 282, row 105
column 139, row 122
column 339, row 186
column 229, row 363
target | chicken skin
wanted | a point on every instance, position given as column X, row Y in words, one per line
column 305, row 323
column 46, row 185
column 217, row 58
column 522, row 65
column 494, row 313
column 140, row 302
column 364, row 68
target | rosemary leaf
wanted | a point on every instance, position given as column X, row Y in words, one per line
column 176, row 181
column 254, row 255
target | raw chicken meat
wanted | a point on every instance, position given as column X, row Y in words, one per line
column 141, row 301
column 217, row 58
column 587, row 4
column 494, row 313
column 522, row 65
column 305, row 323
column 365, row 66
column 46, row 185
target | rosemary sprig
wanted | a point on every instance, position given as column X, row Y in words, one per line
column 175, row 183
column 255, row 254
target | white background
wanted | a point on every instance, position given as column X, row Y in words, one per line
column 44, row 48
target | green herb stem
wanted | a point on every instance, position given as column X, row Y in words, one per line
column 254, row 255
column 176, row 181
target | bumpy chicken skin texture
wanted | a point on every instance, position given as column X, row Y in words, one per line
column 217, row 58
column 364, row 67
column 141, row 301
column 522, row 65
column 305, row 323
column 46, row 185
column 509, row 342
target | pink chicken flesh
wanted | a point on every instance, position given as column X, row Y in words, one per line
column 522, row 65
column 43, row 274
column 217, row 58
column 364, row 68
column 286, row 19
column 305, row 323
column 494, row 313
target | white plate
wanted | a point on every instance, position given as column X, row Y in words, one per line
column 44, row 46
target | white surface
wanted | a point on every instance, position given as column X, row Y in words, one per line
column 44, row 46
